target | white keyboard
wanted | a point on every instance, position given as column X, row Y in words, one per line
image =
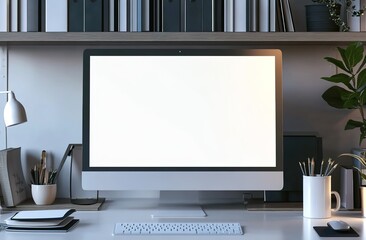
column 178, row 229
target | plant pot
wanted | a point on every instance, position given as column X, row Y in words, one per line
column 318, row 18
column 44, row 194
column 363, row 200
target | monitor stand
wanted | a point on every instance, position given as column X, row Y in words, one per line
column 176, row 204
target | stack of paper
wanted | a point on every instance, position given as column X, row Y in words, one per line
column 41, row 221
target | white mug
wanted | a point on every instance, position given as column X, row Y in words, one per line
column 317, row 197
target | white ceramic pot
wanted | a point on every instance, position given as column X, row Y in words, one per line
column 44, row 194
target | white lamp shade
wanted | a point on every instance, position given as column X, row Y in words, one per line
column 14, row 112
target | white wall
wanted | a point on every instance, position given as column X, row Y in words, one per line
column 48, row 81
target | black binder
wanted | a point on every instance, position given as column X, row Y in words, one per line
column 171, row 19
column 198, row 15
column 75, row 16
column 93, row 16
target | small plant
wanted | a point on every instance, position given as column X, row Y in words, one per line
column 350, row 91
column 333, row 6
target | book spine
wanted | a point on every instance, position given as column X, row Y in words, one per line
column 288, row 16
column 111, row 19
column 281, row 16
column 194, row 17
column 207, row 16
column 253, row 16
column 133, row 15
column 56, row 16
column 272, row 16
column 240, row 16
column 93, row 16
column 229, row 16
column 32, row 16
column 76, row 15
column 105, row 15
column 263, row 16
column 145, row 15
column 123, row 16
column 14, row 24
column 171, row 16
column 4, row 16
column 218, row 15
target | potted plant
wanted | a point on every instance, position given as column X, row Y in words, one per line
column 350, row 89
column 335, row 15
column 350, row 93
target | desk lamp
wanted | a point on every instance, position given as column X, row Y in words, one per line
column 14, row 112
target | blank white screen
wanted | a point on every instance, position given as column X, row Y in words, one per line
column 182, row 111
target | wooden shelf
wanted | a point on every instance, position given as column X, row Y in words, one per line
column 217, row 38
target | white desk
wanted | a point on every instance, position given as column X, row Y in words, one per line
column 257, row 225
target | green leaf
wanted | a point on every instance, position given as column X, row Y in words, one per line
column 338, row 97
column 359, row 158
column 361, row 80
column 352, row 124
column 340, row 78
column 352, row 55
column 363, row 176
column 338, row 63
column 362, row 65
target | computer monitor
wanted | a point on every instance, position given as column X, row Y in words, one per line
column 182, row 119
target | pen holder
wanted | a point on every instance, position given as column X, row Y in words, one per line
column 317, row 197
column 44, row 194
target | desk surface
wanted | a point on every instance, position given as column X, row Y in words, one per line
column 256, row 224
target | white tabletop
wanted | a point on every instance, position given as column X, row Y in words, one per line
column 256, row 224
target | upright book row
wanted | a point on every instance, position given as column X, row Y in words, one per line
column 145, row 16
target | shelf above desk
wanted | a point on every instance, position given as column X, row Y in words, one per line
column 173, row 38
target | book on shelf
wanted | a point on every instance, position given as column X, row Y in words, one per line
column 55, row 16
column 93, row 16
column 75, row 16
column 229, row 16
column 198, row 16
column 218, row 16
column 286, row 22
column 29, row 16
column 14, row 24
column 171, row 16
column 12, row 182
column 272, row 15
column 4, row 16
column 241, row 18
column 146, row 15
column 263, row 15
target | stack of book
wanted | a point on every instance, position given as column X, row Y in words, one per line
column 41, row 221
column 145, row 16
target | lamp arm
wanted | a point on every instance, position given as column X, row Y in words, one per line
column 67, row 153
